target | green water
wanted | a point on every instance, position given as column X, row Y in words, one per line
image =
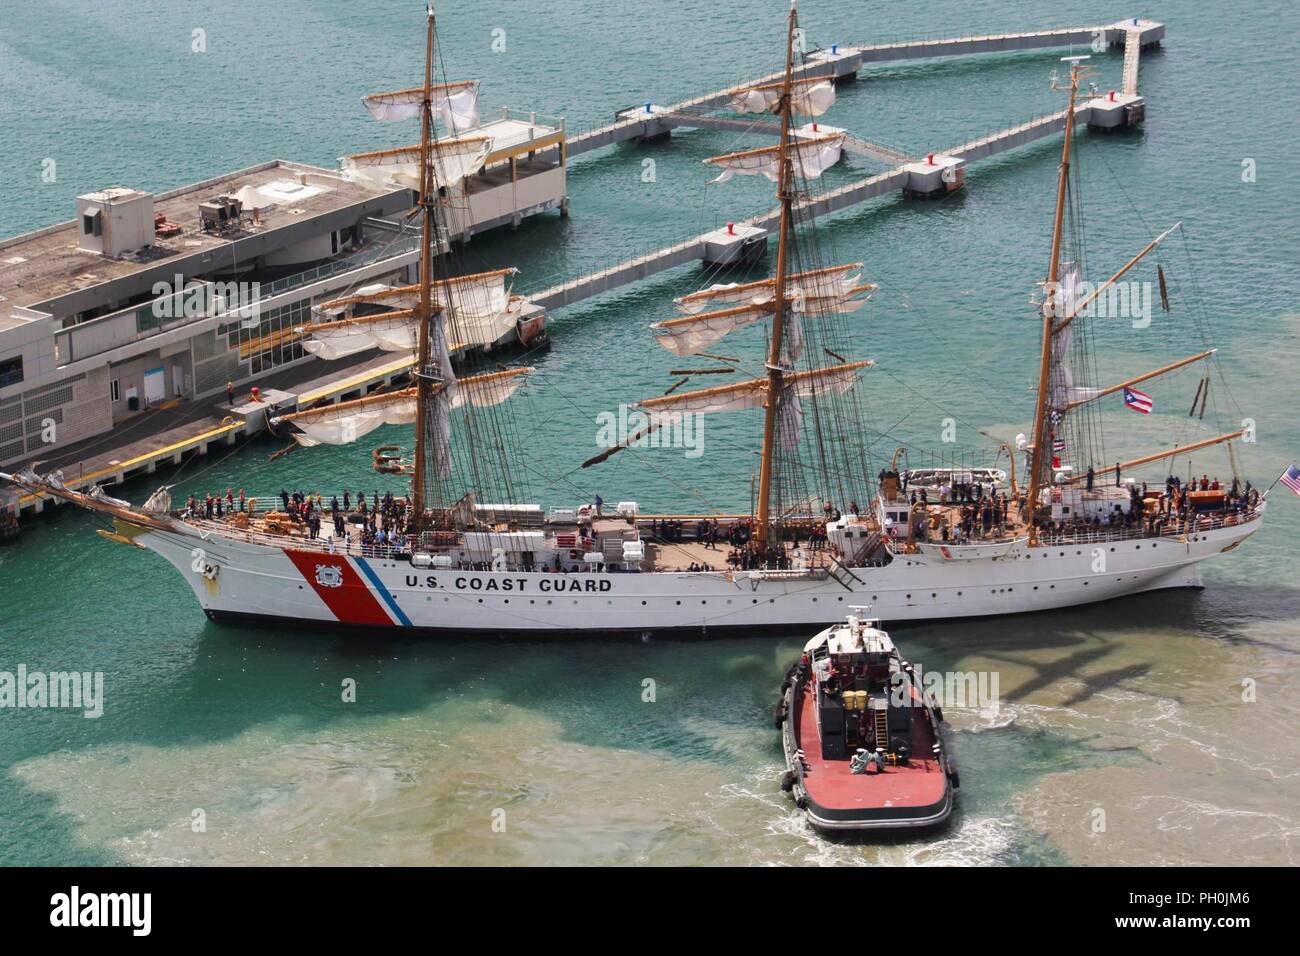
column 1133, row 707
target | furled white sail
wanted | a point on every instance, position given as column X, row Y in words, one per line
column 812, row 296
column 348, row 421
column 736, row 293
column 812, row 157
column 694, row 334
column 341, row 424
column 98, row 493
column 481, row 310
column 394, row 332
column 789, row 418
column 845, row 298
column 808, row 98
column 492, row 388
column 453, row 160
column 454, row 104
column 458, row 111
column 835, row 379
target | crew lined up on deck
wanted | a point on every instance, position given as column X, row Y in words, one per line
column 382, row 520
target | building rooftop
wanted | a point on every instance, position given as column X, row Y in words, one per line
column 40, row 267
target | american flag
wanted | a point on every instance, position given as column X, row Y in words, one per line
column 1058, row 444
column 1138, row 401
column 1291, row 478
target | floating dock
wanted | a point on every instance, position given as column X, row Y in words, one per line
column 843, row 64
column 933, row 174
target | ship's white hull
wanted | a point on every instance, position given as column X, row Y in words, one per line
column 234, row 579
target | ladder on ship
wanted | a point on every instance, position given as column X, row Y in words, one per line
column 841, row 573
column 882, row 728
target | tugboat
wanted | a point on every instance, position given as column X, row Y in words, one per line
column 863, row 745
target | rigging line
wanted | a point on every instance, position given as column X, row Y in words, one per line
column 202, row 471
column 1201, row 316
column 1199, row 306
column 925, row 398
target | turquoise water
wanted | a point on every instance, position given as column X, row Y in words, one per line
column 1133, row 708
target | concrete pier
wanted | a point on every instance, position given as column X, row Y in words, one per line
column 201, row 426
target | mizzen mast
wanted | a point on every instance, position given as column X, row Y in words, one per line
column 775, row 373
column 1039, row 459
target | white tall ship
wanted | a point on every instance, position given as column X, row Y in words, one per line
column 945, row 543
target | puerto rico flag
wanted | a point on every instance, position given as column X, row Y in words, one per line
column 1138, row 401
column 1291, row 478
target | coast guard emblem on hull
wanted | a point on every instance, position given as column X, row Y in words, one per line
column 329, row 575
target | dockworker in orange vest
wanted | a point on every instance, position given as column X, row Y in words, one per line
column 255, row 394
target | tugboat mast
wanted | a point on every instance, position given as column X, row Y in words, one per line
column 775, row 373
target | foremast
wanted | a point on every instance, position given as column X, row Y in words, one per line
column 428, row 234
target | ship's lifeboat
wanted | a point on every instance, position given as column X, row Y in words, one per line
column 863, row 744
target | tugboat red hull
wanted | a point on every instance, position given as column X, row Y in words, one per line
column 915, row 787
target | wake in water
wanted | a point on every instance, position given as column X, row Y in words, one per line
column 966, row 840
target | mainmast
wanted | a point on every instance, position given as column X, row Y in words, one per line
column 775, row 373
column 425, row 312
column 1041, row 410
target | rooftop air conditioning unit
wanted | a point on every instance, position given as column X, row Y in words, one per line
column 220, row 214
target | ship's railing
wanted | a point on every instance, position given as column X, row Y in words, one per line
column 1177, row 528
column 299, row 542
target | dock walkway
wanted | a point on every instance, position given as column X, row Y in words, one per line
column 840, row 63
column 842, row 197
column 651, row 121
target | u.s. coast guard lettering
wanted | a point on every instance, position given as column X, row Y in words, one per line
column 553, row 585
